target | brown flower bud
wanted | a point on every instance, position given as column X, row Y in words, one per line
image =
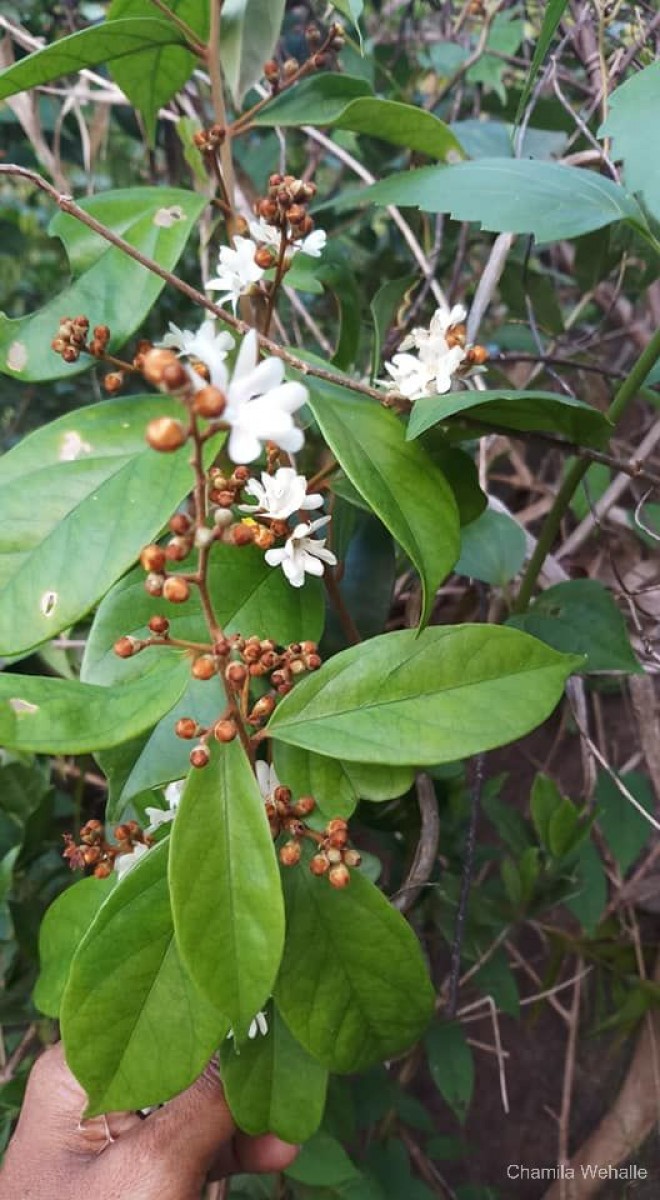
column 204, row 667
column 101, row 333
column 103, row 870
column 152, row 558
column 186, row 728
column 319, row 864
column 155, row 361
column 91, row 855
column 339, row 876
column 176, row 590
column 313, row 35
column 242, row 534
column 174, row 377
column 113, row 382
column 199, row 756
column 159, row 625
column 165, row 433
column 126, row 647
column 58, row 345
column 319, row 61
column 290, row 68
column 269, row 659
column 222, row 647
column 154, row 583
column 296, row 214
column 477, row 356
column 352, row 858
column 333, row 855
column 264, row 258
column 209, row 402
column 262, row 709
column 181, row 524
column 304, row 806
column 225, row 730
column 177, row 550
column 313, row 662
column 263, row 538
column 267, row 209
column 70, row 354
column 271, row 70
column 280, row 678
column 282, row 795
column 240, row 475
column 290, row 854
column 236, row 674
column 336, row 824
column 339, row 839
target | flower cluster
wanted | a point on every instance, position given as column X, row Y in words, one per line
column 102, row 856
column 442, row 354
column 332, row 857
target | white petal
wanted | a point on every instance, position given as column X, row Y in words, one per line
column 243, row 446
column 319, row 523
column 275, row 557
column 246, row 358
column 125, row 862
column 294, row 570
column 288, row 396
column 312, row 565
column 314, row 500
column 262, row 771
column 174, row 792
column 320, row 551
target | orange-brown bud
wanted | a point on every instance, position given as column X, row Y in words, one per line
column 290, row 854
column 267, row 209
column 264, row 258
column 236, row 674
column 262, row 709
column 313, row 662
column 154, row 584
column 101, row 333
column 456, row 335
column 209, row 402
column 296, row 214
column 174, row 376
column 126, row 647
column 176, row 590
column 222, row 647
column 177, row 550
column 155, row 361
column 290, row 68
column 335, row 825
column 225, row 730
column 271, row 70
column 159, row 625
column 262, row 537
column 304, row 806
column 242, row 534
column 165, row 433
column 204, row 667
column 240, row 475
column 282, row 795
column 91, row 855
column 338, row 839
column 352, row 858
column 152, row 558
column 113, row 382
column 319, row 864
column 200, row 756
column 180, row 524
column 339, row 876
column 186, row 728
column 477, row 356
column 70, row 354
column 103, row 870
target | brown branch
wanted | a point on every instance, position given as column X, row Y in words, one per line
column 424, row 859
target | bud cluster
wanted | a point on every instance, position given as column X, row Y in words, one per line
column 320, row 49
column 93, row 851
column 285, row 208
column 208, row 140
column 333, row 856
column 71, row 337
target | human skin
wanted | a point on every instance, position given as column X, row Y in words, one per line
column 54, row 1155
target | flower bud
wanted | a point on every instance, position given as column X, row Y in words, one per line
column 264, row 258
column 180, row 524
column 282, row 795
column 334, row 855
column 271, row 70
column 186, row 728
column 339, row 876
column 236, row 674
column 154, row 584
column 242, row 534
column 159, row 625
column 225, row 730
column 209, row 402
column 477, row 356
column 296, row 214
column 155, row 361
column 204, row 536
column 304, row 806
column 113, row 382
column 222, row 647
column 267, row 209
column 177, row 550
column 313, row 662
column 290, row 68
column 319, row 864
column 262, row 537
column 165, row 433
column 126, row 647
column 204, row 667
column 102, row 333
column 176, row 590
column 103, row 870
column 152, row 558
column 222, row 517
column 352, row 858
column 91, row 855
column 199, row 756
column 70, row 354
column 262, row 709
column 290, row 854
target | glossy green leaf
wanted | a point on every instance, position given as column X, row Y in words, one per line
column 545, row 199
column 65, row 924
column 451, row 1065
column 581, row 617
column 553, row 12
column 496, row 139
column 408, row 493
column 589, row 893
column 493, row 548
column 272, row 1085
column 248, row 36
column 460, row 471
column 346, row 103
column 549, row 412
column 624, row 828
column 323, row 1162
column 99, row 494
column 425, row 698
column 97, row 44
column 62, row 716
column 136, row 1030
column 335, row 784
column 151, row 78
column 353, row 986
column 248, row 596
column 632, row 123
column 226, row 894
column 109, row 287
column 352, row 10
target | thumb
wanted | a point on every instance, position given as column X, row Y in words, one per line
column 195, row 1126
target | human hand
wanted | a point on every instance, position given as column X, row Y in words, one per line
column 168, row 1156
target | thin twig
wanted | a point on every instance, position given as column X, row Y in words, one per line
column 426, row 852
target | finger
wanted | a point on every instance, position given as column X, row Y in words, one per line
column 196, row 1124
column 253, row 1155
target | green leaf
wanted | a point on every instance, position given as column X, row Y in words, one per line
column 581, row 617
column 65, row 924
column 548, row 412
column 248, row 596
column 496, row 979
column 367, row 582
column 62, row 716
column 553, row 12
column 384, row 307
column 98, row 495
column 624, row 828
column 352, row 10
column 460, row 471
column 563, row 828
column 550, row 201
column 544, row 800
column 426, row 698
column 272, row 1085
column 102, row 43
column 346, row 103
column 249, row 33
column 110, row 288
column 632, row 123
column 225, row 885
column 451, row 1065
column 506, row 34
column 408, row 493
column 589, row 898
column 136, row 1030
column 353, row 987
column 337, row 785
column 323, row 1162
column 151, row 78
column 493, row 548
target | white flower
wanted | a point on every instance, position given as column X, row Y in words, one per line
column 314, row 243
column 125, row 862
column 266, row 778
column 269, row 235
column 259, row 404
column 410, row 376
column 237, row 271
column 209, row 347
column 161, row 816
column 301, row 553
column 432, row 372
column 280, row 495
column 258, row 1024
column 432, row 341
